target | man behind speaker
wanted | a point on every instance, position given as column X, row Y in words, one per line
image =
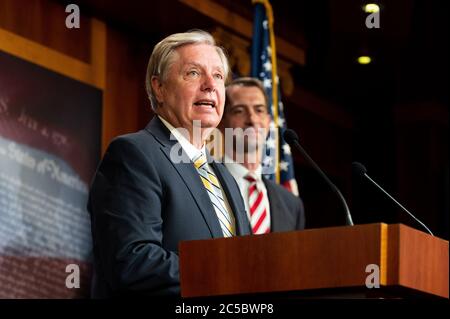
column 270, row 207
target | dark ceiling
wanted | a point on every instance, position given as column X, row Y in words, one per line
column 410, row 50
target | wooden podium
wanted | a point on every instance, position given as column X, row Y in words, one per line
column 326, row 262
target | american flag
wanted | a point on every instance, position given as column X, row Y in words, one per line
column 277, row 163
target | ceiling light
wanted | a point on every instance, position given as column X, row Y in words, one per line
column 371, row 8
column 364, row 59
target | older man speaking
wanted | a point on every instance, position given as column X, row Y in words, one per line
column 146, row 197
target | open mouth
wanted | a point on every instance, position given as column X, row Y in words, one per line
column 208, row 103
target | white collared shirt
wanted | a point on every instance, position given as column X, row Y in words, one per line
column 188, row 148
column 239, row 172
column 192, row 152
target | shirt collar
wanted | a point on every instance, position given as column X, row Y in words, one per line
column 240, row 171
column 191, row 151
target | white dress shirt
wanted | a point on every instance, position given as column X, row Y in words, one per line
column 239, row 172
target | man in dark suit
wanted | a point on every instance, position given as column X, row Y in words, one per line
column 159, row 186
column 270, row 207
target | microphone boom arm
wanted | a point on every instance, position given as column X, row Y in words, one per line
column 348, row 216
column 417, row 220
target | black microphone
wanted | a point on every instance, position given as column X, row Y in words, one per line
column 292, row 139
column 360, row 170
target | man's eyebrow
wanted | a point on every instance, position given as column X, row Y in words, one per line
column 194, row 64
column 246, row 104
column 200, row 66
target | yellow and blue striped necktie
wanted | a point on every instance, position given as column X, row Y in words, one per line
column 215, row 193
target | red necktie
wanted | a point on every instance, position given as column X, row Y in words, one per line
column 259, row 219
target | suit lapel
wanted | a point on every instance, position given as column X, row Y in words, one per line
column 276, row 219
column 188, row 174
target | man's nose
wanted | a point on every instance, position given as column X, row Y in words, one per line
column 252, row 118
column 255, row 116
column 209, row 84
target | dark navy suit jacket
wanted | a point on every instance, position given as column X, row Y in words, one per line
column 142, row 205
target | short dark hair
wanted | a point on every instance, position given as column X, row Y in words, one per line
column 246, row 82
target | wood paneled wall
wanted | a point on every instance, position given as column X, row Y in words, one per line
column 95, row 54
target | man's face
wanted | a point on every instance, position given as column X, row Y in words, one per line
column 194, row 88
column 247, row 109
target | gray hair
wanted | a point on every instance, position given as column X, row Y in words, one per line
column 163, row 56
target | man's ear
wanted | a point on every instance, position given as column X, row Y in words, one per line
column 157, row 88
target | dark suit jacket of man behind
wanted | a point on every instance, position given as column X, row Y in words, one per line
column 142, row 205
column 287, row 210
